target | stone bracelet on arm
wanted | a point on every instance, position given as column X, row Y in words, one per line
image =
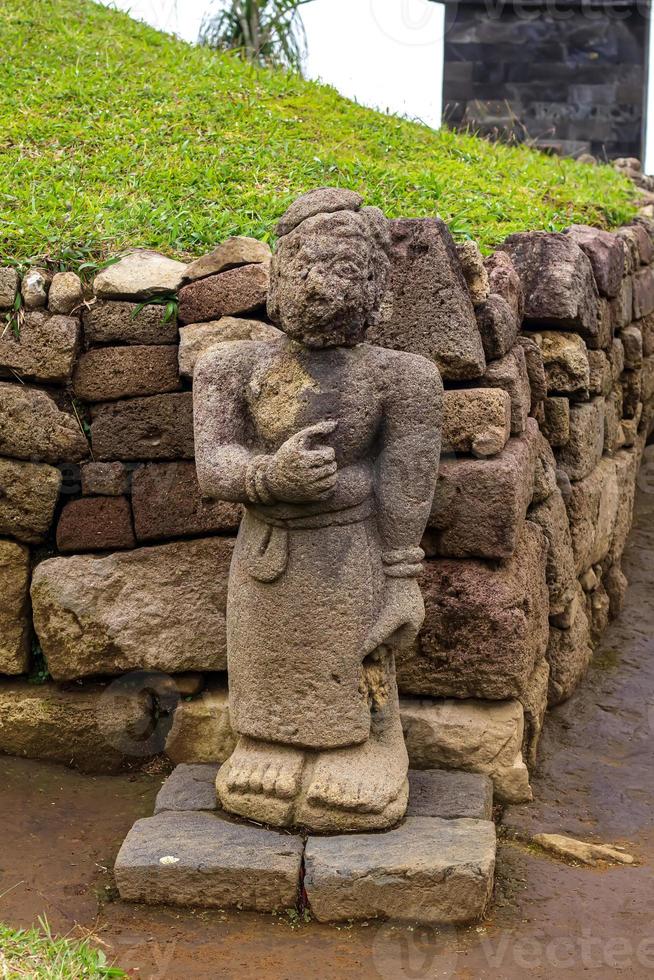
column 403, row 563
column 256, row 487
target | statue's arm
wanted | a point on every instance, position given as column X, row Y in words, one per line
column 224, row 457
column 407, row 465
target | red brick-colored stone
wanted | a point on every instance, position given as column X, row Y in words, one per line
column 168, row 503
column 158, row 427
column 108, row 373
column 240, row 290
column 95, row 524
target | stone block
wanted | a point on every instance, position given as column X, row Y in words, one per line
column 240, row 290
column 66, row 294
column 616, row 583
column 643, row 296
column 583, row 451
column 498, row 326
column 485, row 625
column 616, row 358
column 632, row 342
column 33, row 427
column 197, row 338
column 644, row 228
column 613, row 434
column 427, row 870
column 606, row 254
column 476, row 420
column 28, row 497
column 631, row 393
column 128, row 323
column 189, row 788
column 556, row 421
column 45, row 350
column 200, row 859
column 598, row 607
column 450, row 795
column 534, row 704
column 504, row 281
column 160, row 608
column 34, row 288
column 629, row 238
column 472, row 736
column 429, row 310
column 565, row 357
column 201, row 731
column 108, row 373
column 551, row 516
column 510, row 373
column 141, row 275
column 647, row 380
column 535, row 370
column 95, row 524
column 15, row 627
column 600, row 375
column 156, row 427
column 106, row 479
column 622, row 307
column 474, row 271
column 606, row 316
column 592, row 506
column 235, row 251
column 93, row 727
column 569, row 653
column 480, row 505
column 646, row 327
column 643, row 241
column 545, row 476
column 9, row 285
column 557, row 279
column 168, row 503
column 626, row 467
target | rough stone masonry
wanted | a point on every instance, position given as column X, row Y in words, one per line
column 114, row 565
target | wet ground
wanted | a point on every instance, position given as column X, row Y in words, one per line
column 61, row 831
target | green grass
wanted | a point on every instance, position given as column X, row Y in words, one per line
column 36, row 954
column 114, row 135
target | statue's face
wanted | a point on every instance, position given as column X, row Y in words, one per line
column 328, row 277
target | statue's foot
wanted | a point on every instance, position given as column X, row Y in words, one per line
column 366, row 778
column 261, row 780
column 261, row 767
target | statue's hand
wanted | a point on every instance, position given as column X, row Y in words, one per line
column 299, row 474
column 402, row 614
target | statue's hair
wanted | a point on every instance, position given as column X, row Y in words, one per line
column 367, row 226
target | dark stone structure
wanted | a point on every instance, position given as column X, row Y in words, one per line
column 566, row 75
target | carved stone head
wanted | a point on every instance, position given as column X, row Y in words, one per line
column 329, row 270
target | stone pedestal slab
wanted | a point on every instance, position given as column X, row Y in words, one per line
column 200, row 859
column 437, row 866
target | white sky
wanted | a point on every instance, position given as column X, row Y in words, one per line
column 388, row 55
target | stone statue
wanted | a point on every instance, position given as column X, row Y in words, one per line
column 333, row 446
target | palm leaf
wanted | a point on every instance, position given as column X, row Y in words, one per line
column 265, row 32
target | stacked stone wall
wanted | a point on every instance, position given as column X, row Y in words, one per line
column 113, row 569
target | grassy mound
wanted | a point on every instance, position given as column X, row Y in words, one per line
column 114, row 135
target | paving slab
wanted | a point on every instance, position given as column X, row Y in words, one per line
column 200, row 859
column 432, row 793
column 427, row 870
column 189, row 787
column 450, row 795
